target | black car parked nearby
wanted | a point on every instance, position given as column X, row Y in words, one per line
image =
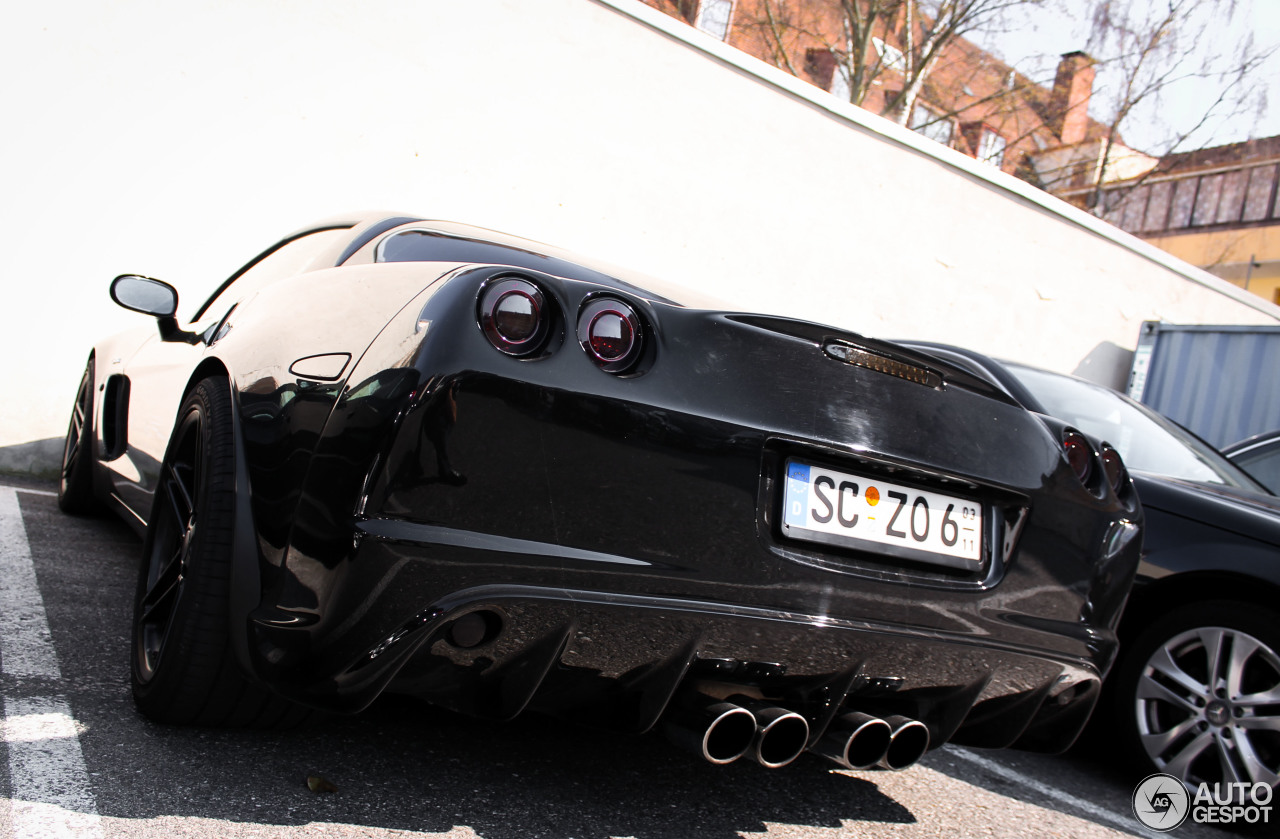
column 1196, row 691
column 1258, row 455
column 392, row 454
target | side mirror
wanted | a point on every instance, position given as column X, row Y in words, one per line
column 145, row 295
column 152, row 297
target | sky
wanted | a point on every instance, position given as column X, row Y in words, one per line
column 1037, row 36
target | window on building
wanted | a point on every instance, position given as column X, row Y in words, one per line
column 932, row 125
column 1184, row 201
column 1158, row 206
column 991, row 148
column 1231, row 202
column 714, row 16
column 890, row 55
column 1206, row 209
column 1133, row 207
column 824, row 68
column 1258, row 197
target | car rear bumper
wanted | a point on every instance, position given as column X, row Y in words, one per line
column 981, row 676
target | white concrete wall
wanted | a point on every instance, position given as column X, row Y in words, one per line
column 177, row 139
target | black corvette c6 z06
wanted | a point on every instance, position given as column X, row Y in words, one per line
column 401, row 455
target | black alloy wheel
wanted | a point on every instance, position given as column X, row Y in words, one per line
column 75, row 484
column 184, row 669
column 1198, row 695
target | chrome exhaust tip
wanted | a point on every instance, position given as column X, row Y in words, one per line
column 908, row 741
column 781, row 735
column 855, row 740
column 719, row 731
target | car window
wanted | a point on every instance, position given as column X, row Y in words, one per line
column 1262, row 463
column 1147, row 441
column 424, row 245
column 285, row 259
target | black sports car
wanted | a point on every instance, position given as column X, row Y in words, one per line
column 401, row 455
column 1196, row 691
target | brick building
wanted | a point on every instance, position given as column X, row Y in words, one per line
column 970, row 101
column 1216, row 208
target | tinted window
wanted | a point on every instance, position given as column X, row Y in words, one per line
column 433, row 246
column 285, row 260
column 422, row 246
column 1147, row 441
column 1262, row 463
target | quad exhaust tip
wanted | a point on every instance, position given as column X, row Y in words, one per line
column 723, row 730
column 719, row 731
column 855, row 740
column 908, row 741
column 861, row 741
column 780, row 736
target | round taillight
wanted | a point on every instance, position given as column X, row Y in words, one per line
column 1113, row 466
column 513, row 314
column 611, row 334
column 1079, row 455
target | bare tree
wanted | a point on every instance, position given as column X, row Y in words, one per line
column 871, row 41
column 1153, row 51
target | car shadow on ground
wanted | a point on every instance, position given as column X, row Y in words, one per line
column 404, row 766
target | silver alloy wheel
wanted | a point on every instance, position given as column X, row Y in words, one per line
column 1208, row 707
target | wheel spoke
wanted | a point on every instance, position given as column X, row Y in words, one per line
column 69, row 456
column 1257, row 771
column 180, row 496
column 1156, row 744
column 165, row 587
column 1216, row 646
column 1260, row 723
column 159, row 602
column 1162, row 663
column 71, row 449
column 1251, row 700
column 1228, row 756
column 1242, row 648
column 1181, row 763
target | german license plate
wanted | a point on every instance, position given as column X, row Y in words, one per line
column 844, row 509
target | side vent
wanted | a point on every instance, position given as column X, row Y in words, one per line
column 115, row 417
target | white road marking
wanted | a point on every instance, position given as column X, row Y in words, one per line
column 32, row 723
column 44, row 492
column 51, row 796
column 1100, row 814
column 26, row 647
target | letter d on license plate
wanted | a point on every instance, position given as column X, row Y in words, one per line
column 840, row 508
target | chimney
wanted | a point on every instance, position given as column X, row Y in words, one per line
column 1069, row 104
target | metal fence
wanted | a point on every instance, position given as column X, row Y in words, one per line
column 1222, row 382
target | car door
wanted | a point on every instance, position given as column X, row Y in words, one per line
column 159, row 372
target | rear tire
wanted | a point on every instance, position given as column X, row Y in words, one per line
column 184, row 669
column 75, row 483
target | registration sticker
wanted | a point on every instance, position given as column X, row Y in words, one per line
column 842, row 508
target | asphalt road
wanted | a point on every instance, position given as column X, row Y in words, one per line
column 80, row 762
